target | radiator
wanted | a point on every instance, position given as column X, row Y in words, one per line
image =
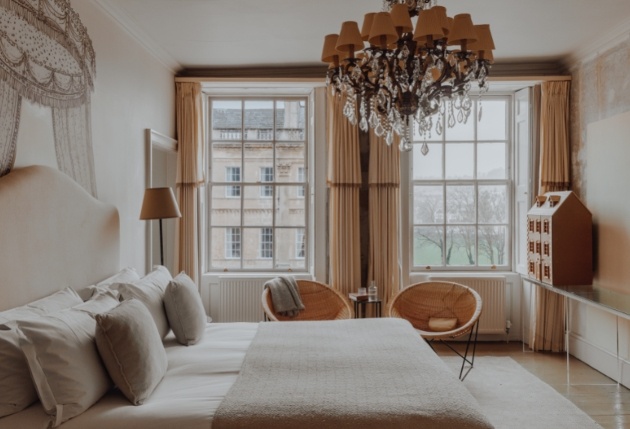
column 239, row 299
column 492, row 291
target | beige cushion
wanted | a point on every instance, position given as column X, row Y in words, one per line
column 63, row 359
column 150, row 291
column 16, row 387
column 184, row 310
column 442, row 324
column 131, row 349
column 126, row 275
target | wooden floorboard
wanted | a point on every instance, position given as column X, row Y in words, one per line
column 596, row 394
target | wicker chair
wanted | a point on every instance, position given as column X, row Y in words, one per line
column 428, row 304
column 321, row 302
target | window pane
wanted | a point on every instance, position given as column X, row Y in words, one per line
column 292, row 244
column 429, row 166
column 224, row 154
column 428, row 245
column 266, row 243
column 227, row 120
column 290, row 157
column 301, row 177
column 460, row 204
column 493, row 242
column 220, row 242
column 290, row 120
column 257, row 210
column 493, row 118
column 258, row 120
column 460, row 160
column 257, row 155
column 252, row 242
column 493, row 204
column 462, row 131
column 491, row 161
column 224, row 210
column 290, row 209
column 428, row 204
column 460, row 245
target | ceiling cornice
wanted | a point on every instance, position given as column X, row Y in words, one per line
column 598, row 46
column 131, row 27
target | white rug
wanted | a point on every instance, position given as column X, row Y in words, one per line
column 514, row 398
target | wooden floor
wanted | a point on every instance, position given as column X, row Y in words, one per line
column 597, row 395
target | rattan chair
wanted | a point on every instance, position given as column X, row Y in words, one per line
column 427, row 304
column 321, row 302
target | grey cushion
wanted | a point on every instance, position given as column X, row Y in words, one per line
column 184, row 310
column 131, row 349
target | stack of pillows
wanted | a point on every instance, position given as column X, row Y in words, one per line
column 69, row 353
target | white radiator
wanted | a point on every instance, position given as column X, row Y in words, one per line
column 492, row 291
column 240, row 299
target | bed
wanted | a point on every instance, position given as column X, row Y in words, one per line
column 370, row 373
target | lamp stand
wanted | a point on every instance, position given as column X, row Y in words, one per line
column 161, row 245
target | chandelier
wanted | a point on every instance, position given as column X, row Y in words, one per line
column 405, row 75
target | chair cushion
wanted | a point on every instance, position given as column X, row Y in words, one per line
column 442, row 324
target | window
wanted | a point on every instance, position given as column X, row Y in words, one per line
column 232, row 174
column 266, row 175
column 257, row 153
column 266, row 243
column 232, row 243
column 461, row 192
column 300, row 244
column 300, row 178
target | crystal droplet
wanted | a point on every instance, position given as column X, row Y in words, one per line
column 439, row 128
column 389, row 138
column 451, row 120
column 480, row 112
column 460, row 116
column 424, row 149
column 405, row 146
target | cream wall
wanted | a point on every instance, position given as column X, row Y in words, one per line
column 133, row 91
column 600, row 106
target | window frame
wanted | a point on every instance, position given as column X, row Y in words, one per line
column 232, row 191
column 229, row 243
column 476, row 183
column 266, row 191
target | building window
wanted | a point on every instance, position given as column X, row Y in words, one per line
column 232, row 243
column 266, row 243
column 461, row 201
column 232, row 174
column 260, row 143
column 266, row 175
column 301, row 179
column 300, row 244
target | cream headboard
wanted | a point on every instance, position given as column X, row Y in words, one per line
column 53, row 234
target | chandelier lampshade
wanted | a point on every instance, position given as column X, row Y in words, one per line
column 404, row 77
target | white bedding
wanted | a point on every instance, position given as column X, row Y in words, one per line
column 196, row 381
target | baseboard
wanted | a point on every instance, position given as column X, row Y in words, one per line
column 600, row 359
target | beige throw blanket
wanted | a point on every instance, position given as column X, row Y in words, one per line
column 363, row 374
column 285, row 295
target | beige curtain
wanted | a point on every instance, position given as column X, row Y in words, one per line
column 344, row 181
column 384, row 203
column 554, row 176
column 190, row 175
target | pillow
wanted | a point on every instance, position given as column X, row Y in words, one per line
column 442, row 324
column 131, row 349
column 63, row 359
column 16, row 387
column 150, row 291
column 111, row 283
column 184, row 310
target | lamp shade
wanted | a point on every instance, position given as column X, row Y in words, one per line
column 159, row 203
column 463, row 30
column 484, row 39
column 383, row 31
column 367, row 25
column 429, row 24
column 329, row 52
column 349, row 40
column 401, row 18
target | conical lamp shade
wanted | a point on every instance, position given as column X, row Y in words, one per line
column 329, row 52
column 349, row 38
column 440, row 12
column 383, row 31
column 159, row 203
column 401, row 18
column 428, row 25
column 484, row 39
column 367, row 25
column 463, row 31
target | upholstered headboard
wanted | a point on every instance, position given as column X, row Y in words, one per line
column 53, row 234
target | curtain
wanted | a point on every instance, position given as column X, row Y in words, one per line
column 190, row 175
column 384, row 204
column 10, row 104
column 554, row 176
column 344, row 181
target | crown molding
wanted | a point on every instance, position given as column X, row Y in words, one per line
column 131, row 27
column 612, row 38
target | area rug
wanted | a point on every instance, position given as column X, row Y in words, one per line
column 514, row 398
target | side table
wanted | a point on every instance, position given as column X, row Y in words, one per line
column 360, row 306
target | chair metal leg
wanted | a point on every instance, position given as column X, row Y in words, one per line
column 472, row 338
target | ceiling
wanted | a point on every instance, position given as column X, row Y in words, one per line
column 189, row 34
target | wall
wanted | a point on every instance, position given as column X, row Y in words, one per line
column 133, row 91
column 600, row 94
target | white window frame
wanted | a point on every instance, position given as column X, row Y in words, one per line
column 300, row 243
column 266, row 175
column 265, row 248
column 301, row 175
column 230, row 234
column 232, row 191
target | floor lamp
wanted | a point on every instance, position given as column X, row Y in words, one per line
column 159, row 203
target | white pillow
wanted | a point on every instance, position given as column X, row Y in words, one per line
column 184, row 310
column 16, row 386
column 63, row 360
column 131, row 349
column 126, row 275
column 150, row 291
